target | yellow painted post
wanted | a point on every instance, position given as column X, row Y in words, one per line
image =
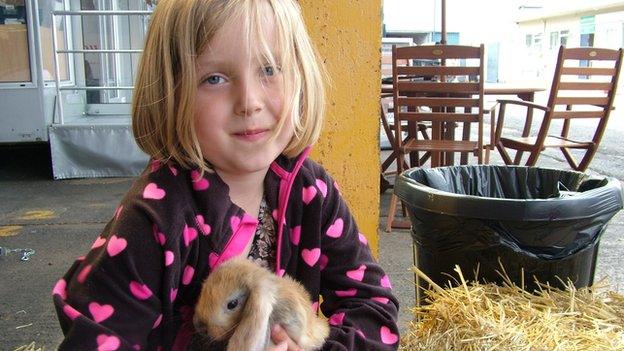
column 347, row 35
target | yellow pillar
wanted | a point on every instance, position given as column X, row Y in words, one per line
column 347, row 35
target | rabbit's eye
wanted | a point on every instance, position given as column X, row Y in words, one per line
column 232, row 304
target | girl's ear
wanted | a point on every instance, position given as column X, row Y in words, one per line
column 253, row 331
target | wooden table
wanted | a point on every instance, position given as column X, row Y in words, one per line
column 523, row 92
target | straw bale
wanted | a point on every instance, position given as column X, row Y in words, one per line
column 475, row 316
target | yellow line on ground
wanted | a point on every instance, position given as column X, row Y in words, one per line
column 9, row 230
column 38, row 214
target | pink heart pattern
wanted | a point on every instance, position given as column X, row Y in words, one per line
column 100, row 312
column 154, row 165
column 362, row 239
column 168, row 258
column 188, row 274
column 116, row 245
column 161, row 238
column 199, row 183
column 203, row 227
column 315, row 306
column 158, row 236
column 336, row 319
column 346, row 293
column 140, row 291
column 108, row 342
column 311, row 256
column 295, row 235
column 335, row 230
column 84, row 273
column 59, row 289
column 382, row 300
column 322, row 186
column 274, row 214
column 323, row 261
column 172, row 294
column 387, row 337
column 157, row 321
column 385, row 282
column 234, row 223
column 308, row 194
column 71, row 312
column 173, row 170
column 212, row 260
column 98, row 242
column 153, row 192
column 357, row 274
column 118, row 212
column 189, row 234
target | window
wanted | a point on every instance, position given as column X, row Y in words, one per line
column 15, row 54
column 528, row 40
column 563, row 37
column 62, row 29
column 537, row 42
column 554, row 40
column 112, row 32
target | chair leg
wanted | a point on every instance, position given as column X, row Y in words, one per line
column 465, row 136
column 568, row 156
column 518, row 157
column 504, row 154
column 533, row 158
column 589, row 156
column 391, row 212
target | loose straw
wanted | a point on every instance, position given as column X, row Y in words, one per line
column 476, row 317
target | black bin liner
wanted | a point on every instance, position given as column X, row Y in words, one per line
column 535, row 222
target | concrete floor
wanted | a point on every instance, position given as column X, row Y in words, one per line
column 59, row 219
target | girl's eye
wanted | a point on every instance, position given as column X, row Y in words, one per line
column 268, row 71
column 214, row 79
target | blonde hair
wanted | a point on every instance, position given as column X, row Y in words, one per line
column 164, row 96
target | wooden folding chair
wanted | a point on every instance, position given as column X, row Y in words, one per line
column 583, row 87
column 441, row 95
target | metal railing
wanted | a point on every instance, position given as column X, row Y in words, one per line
column 86, row 51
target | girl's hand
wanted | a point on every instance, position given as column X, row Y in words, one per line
column 282, row 341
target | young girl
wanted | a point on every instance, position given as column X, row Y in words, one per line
column 228, row 98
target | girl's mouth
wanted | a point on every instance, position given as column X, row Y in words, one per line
column 251, row 135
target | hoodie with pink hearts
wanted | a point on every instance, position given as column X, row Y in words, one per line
column 136, row 287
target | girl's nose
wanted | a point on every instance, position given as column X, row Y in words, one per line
column 249, row 99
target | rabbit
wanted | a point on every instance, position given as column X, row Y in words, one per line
column 241, row 301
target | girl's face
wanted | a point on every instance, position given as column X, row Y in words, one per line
column 238, row 104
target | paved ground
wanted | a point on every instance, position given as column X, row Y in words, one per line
column 60, row 219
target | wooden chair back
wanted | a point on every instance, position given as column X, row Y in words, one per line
column 443, row 94
column 583, row 89
column 584, row 86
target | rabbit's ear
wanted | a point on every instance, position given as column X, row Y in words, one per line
column 252, row 332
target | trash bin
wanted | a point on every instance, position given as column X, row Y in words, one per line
column 536, row 223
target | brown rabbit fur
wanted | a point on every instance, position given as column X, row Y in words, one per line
column 242, row 301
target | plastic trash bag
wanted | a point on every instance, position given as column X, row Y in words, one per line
column 536, row 223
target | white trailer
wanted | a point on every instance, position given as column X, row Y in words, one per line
column 67, row 70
